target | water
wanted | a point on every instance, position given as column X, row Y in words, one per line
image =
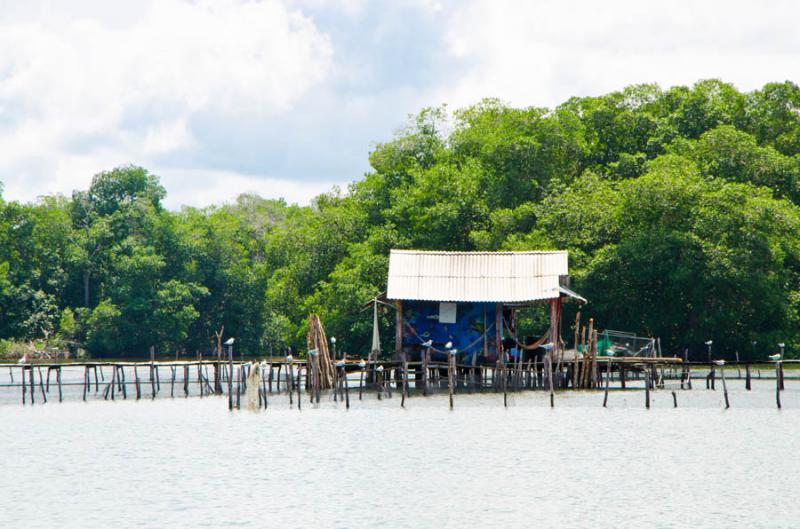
column 192, row 463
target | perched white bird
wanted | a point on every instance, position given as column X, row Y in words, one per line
column 340, row 363
column 719, row 362
column 448, row 345
column 427, row 344
column 362, row 364
column 24, row 359
column 454, row 352
column 775, row 357
column 288, row 358
column 380, row 368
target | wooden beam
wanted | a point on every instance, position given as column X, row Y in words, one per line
column 398, row 329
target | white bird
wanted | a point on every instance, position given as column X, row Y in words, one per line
column 362, row 364
column 719, row 362
column 427, row 344
column 448, row 345
column 288, row 358
column 775, row 357
column 24, row 359
column 380, row 368
column 340, row 363
column 454, row 352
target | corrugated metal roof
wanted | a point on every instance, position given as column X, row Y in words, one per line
column 508, row 277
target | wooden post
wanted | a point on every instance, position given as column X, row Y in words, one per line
column 32, row 384
column 41, row 384
column 264, row 382
column 269, row 379
column 239, row 376
column 608, row 377
column 58, row 378
column 113, row 380
column 230, row 377
column 346, row 385
column 185, row 381
column 299, row 377
column 724, row 387
column 361, row 380
column 398, row 328
column 290, row 377
column 450, row 362
column 747, row 377
column 674, row 399
column 172, row 381
column 647, row 388
column 405, row 381
column 778, row 384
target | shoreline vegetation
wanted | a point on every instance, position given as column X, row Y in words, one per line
column 679, row 207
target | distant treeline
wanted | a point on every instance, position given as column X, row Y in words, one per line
column 679, row 209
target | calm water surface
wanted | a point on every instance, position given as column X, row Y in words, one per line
column 192, row 463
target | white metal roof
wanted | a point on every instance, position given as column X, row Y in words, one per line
column 507, row 277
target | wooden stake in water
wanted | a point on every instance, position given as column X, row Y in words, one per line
column 724, row 386
column 778, row 383
column 608, row 377
column 647, row 388
column 405, row 381
column 747, row 384
column 290, row 377
column 58, row 377
column 451, row 360
column 363, row 366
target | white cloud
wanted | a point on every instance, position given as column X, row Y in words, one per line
column 541, row 53
column 90, row 92
column 199, row 187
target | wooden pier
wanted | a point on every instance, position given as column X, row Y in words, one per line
column 300, row 379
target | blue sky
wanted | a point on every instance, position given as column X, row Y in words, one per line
column 287, row 98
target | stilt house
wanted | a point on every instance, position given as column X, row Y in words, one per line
column 470, row 298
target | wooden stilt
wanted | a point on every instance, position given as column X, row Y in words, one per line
column 290, row 378
column 239, row 376
column 608, row 377
column 299, row 378
column 778, row 384
column 361, row 381
column 724, row 387
column 450, row 373
column 138, row 385
column 41, row 384
column 647, row 388
column 346, row 386
column 113, row 380
column 32, row 384
column 58, row 379
column 747, row 384
column 264, row 383
column 674, row 400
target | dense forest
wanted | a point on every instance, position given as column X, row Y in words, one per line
column 680, row 209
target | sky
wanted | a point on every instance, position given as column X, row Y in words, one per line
column 287, row 98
